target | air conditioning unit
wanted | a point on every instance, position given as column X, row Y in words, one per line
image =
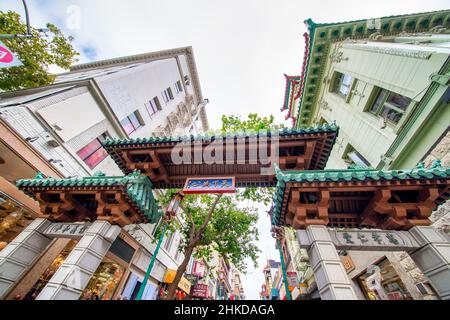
column 51, row 141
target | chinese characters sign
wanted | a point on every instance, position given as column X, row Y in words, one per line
column 366, row 239
column 373, row 239
column 67, row 230
column 210, row 185
column 200, row 291
column 198, row 269
column 7, row 58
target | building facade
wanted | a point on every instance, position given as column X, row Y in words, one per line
column 58, row 131
column 385, row 83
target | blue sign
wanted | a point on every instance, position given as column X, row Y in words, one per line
column 210, row 185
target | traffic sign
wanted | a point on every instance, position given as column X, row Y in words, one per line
column 7, row 58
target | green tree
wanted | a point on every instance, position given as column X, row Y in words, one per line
column 37, row 53
column 216, row 222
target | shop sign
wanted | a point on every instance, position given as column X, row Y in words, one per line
column 210, row 185
column 169, row 276
column 348, row 263
column 7, row 58
column 200, row 291
column 66, row 230
column 377, row 240
column 185, row 285
column 198, row 269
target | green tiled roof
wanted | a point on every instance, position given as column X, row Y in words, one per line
column 138, row 188
column 347, row 175
column 170, row 140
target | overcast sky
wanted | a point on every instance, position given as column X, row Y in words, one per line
column 242, row 48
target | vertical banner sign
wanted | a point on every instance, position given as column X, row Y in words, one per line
column 7, row 58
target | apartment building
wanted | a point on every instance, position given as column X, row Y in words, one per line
column 58, row 130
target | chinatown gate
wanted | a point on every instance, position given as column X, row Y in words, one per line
column 354, row 209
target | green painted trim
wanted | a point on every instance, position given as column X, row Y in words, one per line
column 413, row 116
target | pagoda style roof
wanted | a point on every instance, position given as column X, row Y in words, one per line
column 395, row 199
column 320, row 36
column 120, row 200
column 304, row 148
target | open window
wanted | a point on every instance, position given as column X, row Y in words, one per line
column 389, row 105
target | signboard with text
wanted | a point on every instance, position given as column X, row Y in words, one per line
column 210, row 185
column 200, row 291
column 198, row 269
column 7, row 58
column 66, row 230
column 379, row 240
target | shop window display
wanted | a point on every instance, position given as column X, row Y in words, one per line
column 50, row 271
column 383, row 283
column 104, row 282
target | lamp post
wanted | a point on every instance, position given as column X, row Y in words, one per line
column 171, row 211
column 278, row 234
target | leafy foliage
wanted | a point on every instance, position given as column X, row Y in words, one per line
column 253, row 123
column 36, row 53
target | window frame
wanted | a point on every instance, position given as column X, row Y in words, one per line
column 138, row 118
column 99, row 139
column 385, row 104
column 337, row 83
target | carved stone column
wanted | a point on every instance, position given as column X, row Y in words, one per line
column 331, row 278
column 73, row 275
column 433, row 258
column 19, row 255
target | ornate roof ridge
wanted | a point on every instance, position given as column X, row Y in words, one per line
column 95, row 180
column 282, row 132
column 309, row 21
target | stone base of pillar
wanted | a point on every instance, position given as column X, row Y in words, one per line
column 331, row 278
column 19, row 255
column 73, row 275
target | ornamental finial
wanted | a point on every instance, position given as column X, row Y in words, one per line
column 420, row 165
column 436, row 164
column 39, row 176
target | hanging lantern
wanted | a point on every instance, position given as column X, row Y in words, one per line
column 174, row 205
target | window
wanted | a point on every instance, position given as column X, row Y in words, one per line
column 343, row 84
column 132, row 122
column 157, row 103
column 353, row 157
column 389, row 105
column 169, row 241
column 178, row 87
column 169, row 92
column 93, row 153
column 186, row 80
column 165, row 96
column 153, row 106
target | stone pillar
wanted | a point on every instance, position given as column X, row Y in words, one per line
column 331, row 278
column 73, row 275
column 433, row 258
column 19, row 255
